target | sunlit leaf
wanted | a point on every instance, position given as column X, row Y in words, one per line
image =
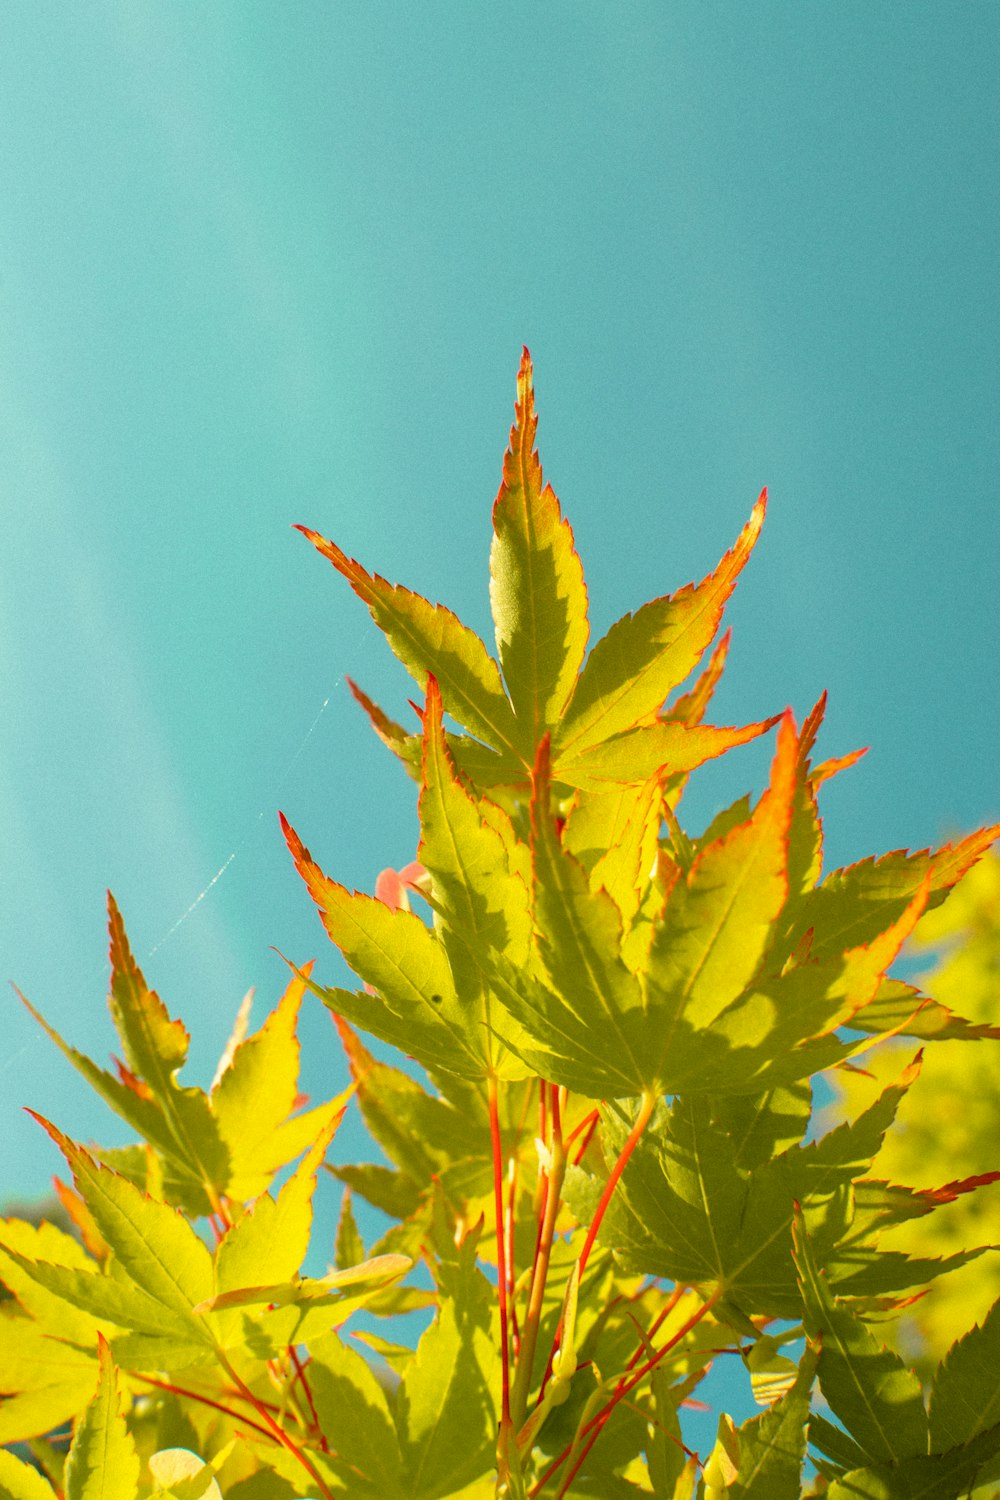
column 429, row 638
column 269, row 1242
column 965, row 1396
column 255, row 1096
column 355, row 1416
column 667, row 748
column 448, row 1396
column 643, row 657
column 869, row 1389
column 153, row 1243
column 155, row 1049
column 536, row 584
column 103, row 1462
column 19, row 1481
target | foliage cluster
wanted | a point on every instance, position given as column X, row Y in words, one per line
column 608, row 1173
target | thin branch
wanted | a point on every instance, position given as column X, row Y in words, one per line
column 278, row 1432
column 592, row 1429
column 497, row 1148
column 540, row 1270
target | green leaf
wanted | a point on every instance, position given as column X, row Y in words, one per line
column 324, row 1291
column 719, row 920
column 929, row 1476
column 355, row 1418
column 156, row 1048
column 45, row 1242
column 153, row 1243
column 664, row 1444
column 270, row 1241
column 773, row 1446
column 113, row 1298
column 536, row 583
column 965, row 1395
column 781, row 1029
column 666, row 748
column 695, row 1205
column 900, row 1008
column 679, row 1205
column 580, row 936
column 19, row 1481
column 877, row 1398
column 349, row 1247
column 394, row 1193
column 45, row 1380
column 128, row 1099
column 762, row 1126
column 405, row 746
column 103, row 1463
column 644, row 656
column 417, row 1007
column 429, row 638
column 415, row 1130
column 613, row 835
column 449, row 1397
column 853, row 905
column 819, row 1177
column 254, row 1097
column 481, row 903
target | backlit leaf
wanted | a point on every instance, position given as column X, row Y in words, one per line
column 965, row 1396
column 900, row 1008
column 255, row 1095
column 270, row 1241
column 718, row 921
column 481, row 903
column 448, row 1400
column 46, row 1381
column 855, row 903
column 103, row 1463
column 111, row 1298
column 155, row 1049
column 613, row 834
column 666, row 747
column 869, row 1389
column 417, row 1006
column 45, row 1242
column 580, row 940
column 19, row 1481
column 536, row 584
column 429, row 638
column 153, row 1243
column 356, row 1419
column 644, row 656
column 929, row 1476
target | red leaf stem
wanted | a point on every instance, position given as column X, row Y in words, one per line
column 646, row 1108
column 497, row 1148
column 277, row 1431
column 594, row 1427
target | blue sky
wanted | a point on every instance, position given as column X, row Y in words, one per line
column 262, row 264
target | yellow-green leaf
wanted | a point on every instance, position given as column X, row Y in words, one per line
column 429, row 638
column 269, row 1242
column 156, row 1048
column 645, row 655
column 417, row 1006
column 667, row 748
column 19, row 1481
column 718, row 921
column 103, row 1463
column 536, row 583
column 153, row 1243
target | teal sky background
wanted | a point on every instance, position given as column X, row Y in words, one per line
column 263, row 264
